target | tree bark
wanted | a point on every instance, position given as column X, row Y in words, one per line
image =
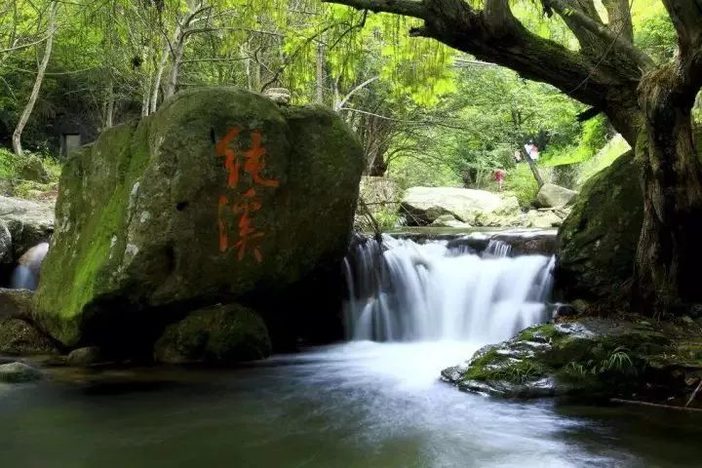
column 27, row 112
column 534, row 170
column 320, row 74
column 669, row 253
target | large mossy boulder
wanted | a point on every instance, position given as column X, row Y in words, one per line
column 598, row 239
column 219, row 196
column 224, row 334
column 590, row 357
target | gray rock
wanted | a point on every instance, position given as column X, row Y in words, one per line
column 280, row 96
column 5, row 243
column 424, row 205
column 554, row 196
column 598, row 239
column 28, row 222
column 18, row 372
column 542, row 219
column 448, row 220
column 21, row 338
column 85, row 357
column 15, row 303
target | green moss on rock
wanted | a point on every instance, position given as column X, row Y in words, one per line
column 598, row 239
column 593, row 357
column 139, row 221
column 219, row 334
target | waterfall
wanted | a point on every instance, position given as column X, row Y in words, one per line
column 404, row 291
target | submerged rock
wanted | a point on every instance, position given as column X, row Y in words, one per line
column 598, row 239
column 220, row 194
column 423, row 205
column 222, row 334
column 18, row 372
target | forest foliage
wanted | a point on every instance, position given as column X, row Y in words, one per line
column 425, row 114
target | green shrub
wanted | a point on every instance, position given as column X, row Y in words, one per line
column 521, row 182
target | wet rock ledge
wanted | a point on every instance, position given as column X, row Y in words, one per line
column 591, row 358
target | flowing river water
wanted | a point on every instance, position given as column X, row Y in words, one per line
column 363, row 403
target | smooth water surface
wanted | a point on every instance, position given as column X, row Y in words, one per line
column 360, row 404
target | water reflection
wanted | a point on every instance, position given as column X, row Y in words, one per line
column 359, row 404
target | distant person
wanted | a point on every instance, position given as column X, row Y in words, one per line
column 500, row 178
column 517, row 156
column 532, row 150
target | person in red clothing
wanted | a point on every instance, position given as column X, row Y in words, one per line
column 500, row 178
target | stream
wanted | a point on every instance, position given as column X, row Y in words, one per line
column 374, row 401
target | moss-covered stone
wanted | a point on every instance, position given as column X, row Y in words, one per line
column 20, row 338
column 218, row 334
column 592, row 357
column 598, row 239
column 31, row 168
column 154, row 217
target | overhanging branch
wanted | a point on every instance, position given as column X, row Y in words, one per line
column 413, row 8
column 578, row 19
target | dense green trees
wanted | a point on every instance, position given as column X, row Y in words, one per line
column 648, row 99
column 425, row 112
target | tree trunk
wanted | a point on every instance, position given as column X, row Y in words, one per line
column 27, row 112
column 534, row 170
column 109, row 106
column 177, row 58
column 320, row 74
column 378, row 167
column 669, row 252
column 160, row 67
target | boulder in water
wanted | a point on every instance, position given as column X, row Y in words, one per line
column 223, row 334
column 590, row 357
column 554, row 196
column 18, row 372
column 85, row 356
column 423, row 205
column 598, row 239
column 220, row 195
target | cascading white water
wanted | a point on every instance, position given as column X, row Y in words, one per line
column 404, row 291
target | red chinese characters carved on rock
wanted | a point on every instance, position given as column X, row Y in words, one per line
column 248, row 203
